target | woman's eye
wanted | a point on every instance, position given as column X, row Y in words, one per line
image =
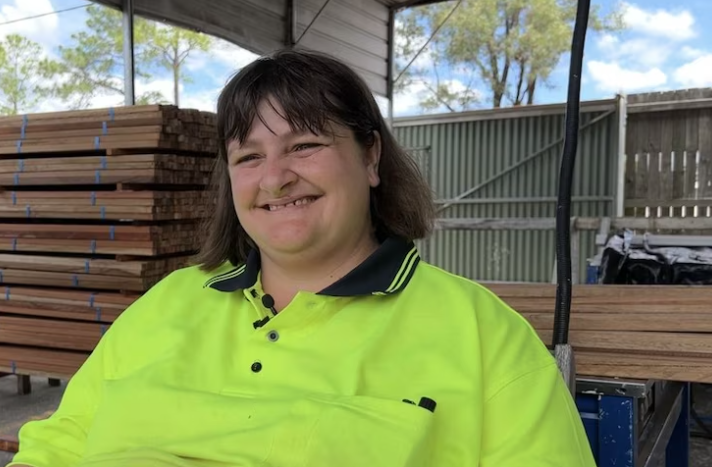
column 247, row 158
column 305, row 146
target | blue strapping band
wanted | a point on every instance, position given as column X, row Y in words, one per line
column 19, row 146
column 23, row 130
column 111, row 114
column 7, row 293
column 13, row 366
column 97, row 142
column 112, row 232
column 93, row 247
column 14, row 244
column 87, row 266
column 1, row 278
column 28, row 211
column 103, row 330
column 103, row 162
column 14, row 198
column 97, row 176
column 91, row 300
column 16, row 178
column 103, row 213
column 98, row 313
column 104, row 128
column 93, row 198
column 75, row 280
column 21, row 165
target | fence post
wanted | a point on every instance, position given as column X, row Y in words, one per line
column 620, row 173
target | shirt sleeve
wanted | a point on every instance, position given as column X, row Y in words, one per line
column 533, row 422
column 59, row 440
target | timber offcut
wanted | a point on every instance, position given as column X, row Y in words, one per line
column 96, row 206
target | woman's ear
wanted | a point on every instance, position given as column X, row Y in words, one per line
column 373, row 160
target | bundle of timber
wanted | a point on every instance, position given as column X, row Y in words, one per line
column 132, row 127
column 96, row 206
column 627, row 331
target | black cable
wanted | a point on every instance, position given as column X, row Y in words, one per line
column 566, row 173
column 41, row 15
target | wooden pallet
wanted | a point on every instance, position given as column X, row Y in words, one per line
column 646, row 332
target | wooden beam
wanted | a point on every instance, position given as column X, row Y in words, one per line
column 582, row 223
column 9, row 444
column 627, row 331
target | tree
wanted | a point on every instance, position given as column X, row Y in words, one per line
column 171, row 47
column 94, row 63
column 509, row 47
column 24, row 75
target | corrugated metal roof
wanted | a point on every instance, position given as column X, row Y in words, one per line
column 356, row 32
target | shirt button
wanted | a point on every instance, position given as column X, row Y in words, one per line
column 256, row 367
column 273, row 336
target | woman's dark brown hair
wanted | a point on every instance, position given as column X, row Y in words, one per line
column 313, row 89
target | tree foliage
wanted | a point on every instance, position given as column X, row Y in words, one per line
column 508, row 47
column 24, row 74
column 170, row 47
column 94, row 62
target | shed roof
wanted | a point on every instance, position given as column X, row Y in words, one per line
column 356, row 31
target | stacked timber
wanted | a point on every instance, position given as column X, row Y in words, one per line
column 627, row 331
column 96, row 206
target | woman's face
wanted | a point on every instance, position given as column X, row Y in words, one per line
column 302, row 194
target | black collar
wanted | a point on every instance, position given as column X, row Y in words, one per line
column 386, row 271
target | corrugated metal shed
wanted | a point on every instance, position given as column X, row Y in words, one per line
column 356, row 31
column 468, row 149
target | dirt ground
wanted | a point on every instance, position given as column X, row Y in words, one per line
column 15, row 410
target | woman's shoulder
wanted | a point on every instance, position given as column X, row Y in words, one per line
column 508, row 344
column 454, row 287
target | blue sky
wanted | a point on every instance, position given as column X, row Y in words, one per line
column 667, row 45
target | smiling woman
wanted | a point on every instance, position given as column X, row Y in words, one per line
column 310, row 332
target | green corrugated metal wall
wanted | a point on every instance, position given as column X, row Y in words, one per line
column 467, row 149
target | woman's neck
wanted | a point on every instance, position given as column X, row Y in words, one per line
column 282, row 278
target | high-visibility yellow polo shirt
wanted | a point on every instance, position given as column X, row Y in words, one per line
column 398, row 364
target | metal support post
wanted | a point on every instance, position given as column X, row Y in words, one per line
column 390, row 85
column 129, row 67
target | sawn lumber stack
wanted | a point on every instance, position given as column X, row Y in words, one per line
column 96, row 206
column 628, row 331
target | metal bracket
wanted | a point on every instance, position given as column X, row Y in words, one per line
column 316, row 17
column 566, row 362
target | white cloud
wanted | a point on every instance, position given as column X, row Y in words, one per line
column 233, row 56
column 639, row 60
column 203, row 100
column 43, row 30
column 408, row 102
column 697, row 73
column 162, row 85
column 674, row 25
column 611, row 77
column 691, row 53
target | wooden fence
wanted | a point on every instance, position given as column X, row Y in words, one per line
column 669, row 154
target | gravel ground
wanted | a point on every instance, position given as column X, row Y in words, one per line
column 15, row 410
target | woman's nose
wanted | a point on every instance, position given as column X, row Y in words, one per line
column 277, row 175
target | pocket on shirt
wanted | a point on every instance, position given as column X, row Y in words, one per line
column 353, row 431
